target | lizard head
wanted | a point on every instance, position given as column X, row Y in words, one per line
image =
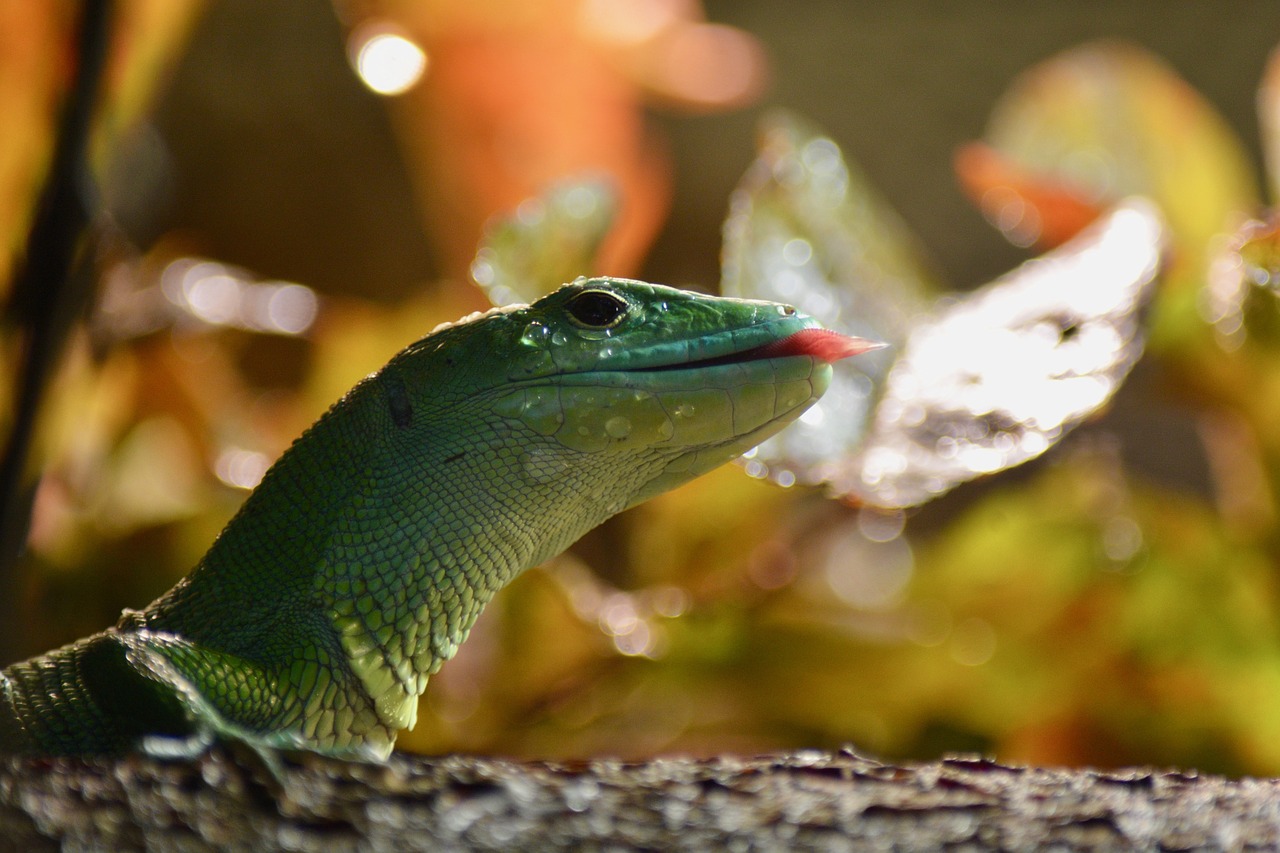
column 675, row 382
column 486, row 447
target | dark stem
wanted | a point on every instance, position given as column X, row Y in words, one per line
column 51, row 288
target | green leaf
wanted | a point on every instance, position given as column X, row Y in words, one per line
column 806, row 228
column 546, row 241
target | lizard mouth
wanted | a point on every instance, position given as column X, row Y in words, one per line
column 823, row 345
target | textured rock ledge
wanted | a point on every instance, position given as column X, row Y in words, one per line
column 807, row 800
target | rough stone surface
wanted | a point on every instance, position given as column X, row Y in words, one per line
column 804, row 800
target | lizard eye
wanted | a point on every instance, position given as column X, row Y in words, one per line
column 597, row 309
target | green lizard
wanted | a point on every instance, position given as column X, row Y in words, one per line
column 359, row 564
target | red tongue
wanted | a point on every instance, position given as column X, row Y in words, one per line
column 822, row 344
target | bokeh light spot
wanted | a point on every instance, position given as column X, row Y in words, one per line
column 385, row 59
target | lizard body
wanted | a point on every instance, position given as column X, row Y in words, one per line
column 361, row 561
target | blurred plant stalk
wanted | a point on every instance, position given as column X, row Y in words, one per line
column 76, row 78
column 37, row 61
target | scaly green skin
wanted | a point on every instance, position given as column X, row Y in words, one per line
column 362, row 560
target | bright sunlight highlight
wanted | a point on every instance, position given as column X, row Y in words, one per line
column 385, row 59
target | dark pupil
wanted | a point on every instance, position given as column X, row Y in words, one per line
column 596, row 308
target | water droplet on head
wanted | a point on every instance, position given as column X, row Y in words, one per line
column 535, row 335
column 684, row 410
column 558, row 339
column 618, row 427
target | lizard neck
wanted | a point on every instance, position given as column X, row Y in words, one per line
column 402, row 604
column 379, row 546
column 248, row 593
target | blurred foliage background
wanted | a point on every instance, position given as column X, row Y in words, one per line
column 277, row 230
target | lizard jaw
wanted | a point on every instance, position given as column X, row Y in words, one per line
column 824, row 345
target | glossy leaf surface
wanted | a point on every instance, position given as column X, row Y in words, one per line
column 806, row 228
column 981, row 383
column 1000, row 375
column 546, row 241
